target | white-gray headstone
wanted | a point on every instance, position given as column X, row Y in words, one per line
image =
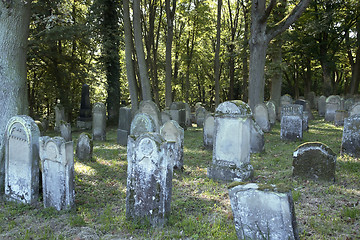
column 355, row 109
column 200, row 116
column 333, row 103
column 261, row 116
column 291, row 122
column 150, row 108
column 351, row 136
column 59, row 116
column 322, row 106
column 257, row 140
column 99, row 121
column 208, row 131
column 65, row 131
column 272, row 112
column 84, row 147
column 142, row 123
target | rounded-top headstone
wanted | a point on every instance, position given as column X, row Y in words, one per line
column 234, row 107
column 142, row 123
column 261, row 115
column 171, row 131
column 150, row 108
column 355, row 109
column 333, row 99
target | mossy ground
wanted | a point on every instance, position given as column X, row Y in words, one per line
column 200, row 207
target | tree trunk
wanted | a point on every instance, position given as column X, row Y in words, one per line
column 217, row 55
column 276, row 80
column 14, row 30
column 245, row 72
column 169, row 39
column 130, row 73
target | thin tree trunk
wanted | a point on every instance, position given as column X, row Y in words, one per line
column 245, row 73
column 169, row 39
column 217, row 55
column 276, row 80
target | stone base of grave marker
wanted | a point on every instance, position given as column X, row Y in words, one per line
column 263, row 213
column 230, row 172
column 122, row 137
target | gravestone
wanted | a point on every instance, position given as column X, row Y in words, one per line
column 178, row 113
column 272, row 112
column 65, row 131
column 306, row 121
column 263, row 213
column 200, row 116
column 124, row 125
column 314, row 160
column 348, row 104
column 208, row 132
column 59, row 116
column 257, row 140
column 150, row 108
column 340, row 115
column 355, row 109
column 291, row 122
column 231, row 150
column 165, row 116
column 261, row 116
column 172, row 132
column 333, row 103
column 311, row 97
column 187, row 115
column 322, row 106
column 149, row 180
column 84, row 147
column 22, row 160
column 57, row 164
column 99, row 121
column 85, row 120
column 351, row 136
column 286, row 100
column 142, row 123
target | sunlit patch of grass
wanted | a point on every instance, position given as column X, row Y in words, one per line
column 84, row 169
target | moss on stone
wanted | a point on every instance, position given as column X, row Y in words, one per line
column 234, row 184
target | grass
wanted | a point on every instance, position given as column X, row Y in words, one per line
column 200, row 207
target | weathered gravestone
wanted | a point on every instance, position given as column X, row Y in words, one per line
column 84, row 147
column 57, row 163
column 172, row 132
column 22, row 160
column 351, row 136
column 178, row 113
column 149, row 180
column 355, row 109
column 322, row 106
column 59, row 116
column 340, row 115
column 165, row 116
column 271, row 111
column 84, row 121
column 65, row 131
column 314, row 160
column 257, row 140
column 333, row 103
column 187, row 115
column 124, row 125
column 231, row 150
column 261, row 116
column 291, row 122
column 200, row 116
column 263, row 212
column 99, row 121
column 150, row 108
column 348, row 103
column 208, row 131
column 286, row 100
column 142, row 123
column 311, row 99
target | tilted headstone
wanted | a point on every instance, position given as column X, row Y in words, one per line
column 65, row 131
column 142, row 123
column 22, row 160
column 150, row 108
column 123, row 130
column 231, row 150
column 263, row 212
column 84, row 147
column 314, row 160
column 333, row 103
column 322, row 106
column 165, row 116
column 208, row 131
column 340, row 116
column 261, row 116
column 171, row 131
column 99, row 121
column 257, row 140
column 355, row 109
column 291, row 122
column 149, row 179
column 272, row 112
column 57, row 163
column 348, row 104
column 178, row 113
column 351, row 136
column 85, row 120
column 200, row 116
column 59, row 116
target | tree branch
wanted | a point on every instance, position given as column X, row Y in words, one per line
column 268, row 10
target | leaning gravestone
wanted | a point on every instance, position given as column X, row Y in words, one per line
column 59, row 116
column 99, row 121
column 57, row 163
column 257, row 140
column 261, row 116
column 142, row 123
column 208, row 131
column 333, row 103
column 84, row 121
column 22, row 160
column 263, row 212
column 84, row 147
column 271, row 111
column 231, row 150
column 200, row 116
column 355, row 109
column 291, row 122
column 149, row 180
column 65, row 131
column 322, row 106
column 351, row 136
column 172, row 132
column 124, row 125
column 314, row 160
column 150, row 108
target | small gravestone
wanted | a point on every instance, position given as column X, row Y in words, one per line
column 200, row 116
column 261, row 116
column 165, row 116
column 124, row 125
column 231, row 150
column 59, row 116
column 22, row 160
column 65, row 131
column 340, row 115
column 84, row 147
column 271, row 107
column 306, row 120
column 150, row 108
column 257, row 140
column 99, row 121
column 149, row 180
column 355, row 109
column 263, row 212
column 178, row 113
column 208, row 132
column 311, row 97
column 85, row 120
column 314, row 160
column 171, row 131
column 351, row 136
column 187, row 115
column 333, row 103
column 291, row 122
column 286, row 100
column 348, row 104
column 57, row 163
column 142, row 123
column 322, row 106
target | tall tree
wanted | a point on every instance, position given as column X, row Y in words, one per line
column 217, row 55
column 259, row 41
column 14, row 29
column 170, row 14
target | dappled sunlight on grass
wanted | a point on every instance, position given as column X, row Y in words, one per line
column 81, row 168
